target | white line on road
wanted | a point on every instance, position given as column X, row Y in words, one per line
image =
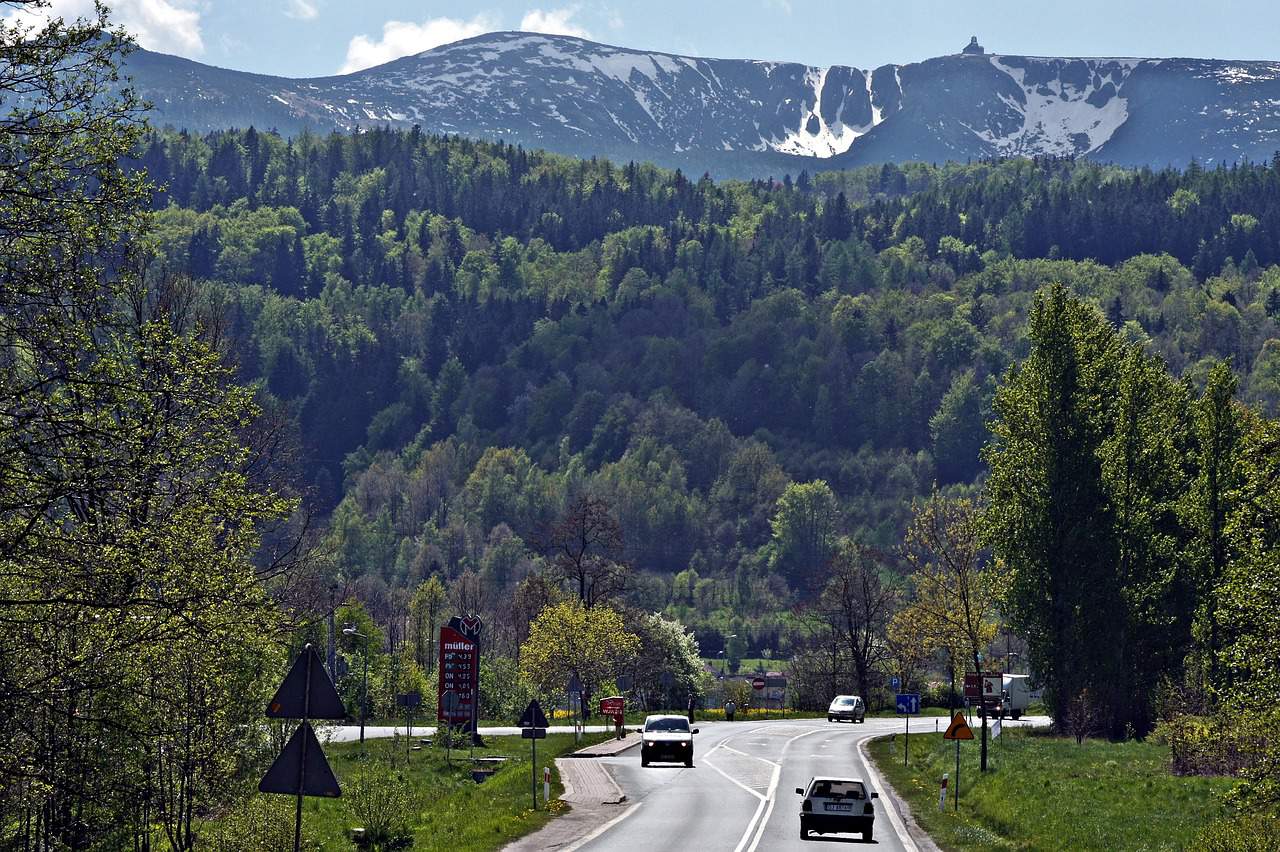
column 772, row 797
column 602, row 829
column 706, row 759
column 887, row 801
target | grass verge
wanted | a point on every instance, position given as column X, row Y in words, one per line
column 439, row 803
column 1047, row 793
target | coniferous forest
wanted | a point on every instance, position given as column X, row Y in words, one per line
column 399, row 375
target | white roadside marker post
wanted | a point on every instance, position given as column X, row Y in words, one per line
column 546, row 785
column 942, row 794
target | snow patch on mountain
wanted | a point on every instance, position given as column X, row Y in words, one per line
column 1068, row 107
column 817, row 135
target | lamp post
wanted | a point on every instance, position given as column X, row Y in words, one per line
column 350, row 630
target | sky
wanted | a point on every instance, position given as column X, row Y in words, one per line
column 310, row 38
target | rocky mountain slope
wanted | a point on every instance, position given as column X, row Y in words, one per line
column 748, row 117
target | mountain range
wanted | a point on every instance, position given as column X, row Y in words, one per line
column 749, row 118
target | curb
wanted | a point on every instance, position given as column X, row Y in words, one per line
column 618, row 747
column 921, row 838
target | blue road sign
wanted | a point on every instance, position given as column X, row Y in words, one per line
column 895, row 684
column 908, row 702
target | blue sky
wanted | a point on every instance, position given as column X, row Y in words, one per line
column 320, row 37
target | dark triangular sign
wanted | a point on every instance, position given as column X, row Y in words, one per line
column 532, row 717
column 290, row 701
column 316, row 777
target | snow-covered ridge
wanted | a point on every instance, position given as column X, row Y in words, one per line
column 751, row 117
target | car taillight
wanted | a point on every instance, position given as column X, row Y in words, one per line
column 868, row 809
column 806, row 805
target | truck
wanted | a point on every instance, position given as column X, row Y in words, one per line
column 1015, row 696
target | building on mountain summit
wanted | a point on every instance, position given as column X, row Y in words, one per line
column 973, row 48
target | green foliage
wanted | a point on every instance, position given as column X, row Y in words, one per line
column 381, row 801
column 569, row 638
column 1252, row 833
column 141, row 638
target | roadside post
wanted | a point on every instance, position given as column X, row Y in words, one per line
column 574, row 688
column 908, row 703
column 533, row 727
column 448, row 707
column 958, row 730
column 942, row 795
column 301, row 769
column 409, row 700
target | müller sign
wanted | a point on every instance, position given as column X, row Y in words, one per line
column 459, row 672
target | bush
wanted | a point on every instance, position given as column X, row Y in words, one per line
column 381, row 800
column 1247, row 833
column 258, row 822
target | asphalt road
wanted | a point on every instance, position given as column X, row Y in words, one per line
column 740, row 795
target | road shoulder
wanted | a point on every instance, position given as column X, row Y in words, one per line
column 889, row 796
column 594, row 797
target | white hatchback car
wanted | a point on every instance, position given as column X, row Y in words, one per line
column 837, row 805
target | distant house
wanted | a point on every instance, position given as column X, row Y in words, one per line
column 973, row 48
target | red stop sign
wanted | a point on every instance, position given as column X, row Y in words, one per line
column 757, row 683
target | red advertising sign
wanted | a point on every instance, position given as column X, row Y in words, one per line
column 972, row 686
column 459, row 674
column 613, row 706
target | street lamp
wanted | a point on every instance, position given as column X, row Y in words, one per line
column 350, row 630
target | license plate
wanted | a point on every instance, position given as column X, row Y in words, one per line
column 837, row 806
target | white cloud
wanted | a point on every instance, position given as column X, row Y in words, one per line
column 402, row 38
column 169, row 26
column 553, row 22
column 302, row 10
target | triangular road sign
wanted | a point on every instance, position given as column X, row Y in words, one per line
column 958, row 729
column 532, row 717
column 290, row 700
column 317, row 778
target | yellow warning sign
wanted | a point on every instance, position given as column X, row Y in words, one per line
column 958, row 729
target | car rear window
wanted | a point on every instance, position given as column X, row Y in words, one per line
column 839, row 790
column 676, row 724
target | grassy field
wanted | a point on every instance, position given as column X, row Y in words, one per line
column 1047, row 793
column 444, row 809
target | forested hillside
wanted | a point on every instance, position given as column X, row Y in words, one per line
column 470, row 334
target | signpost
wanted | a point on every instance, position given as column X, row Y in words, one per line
column 533, row 725
column 460, row 674
column 574, row 690
column 908, row 703
column 757, row 683
column 615, row 706
column 958, row 730
column 992, row 689
column 301, row 769
column 409, row 701
column 895, row 684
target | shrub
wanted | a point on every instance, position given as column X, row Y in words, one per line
column 1246, row 833
column 381, row 800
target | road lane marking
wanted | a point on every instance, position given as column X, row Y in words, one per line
column 888, row 802
column 602, row 829
column 706, row 759
column 772, row 797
